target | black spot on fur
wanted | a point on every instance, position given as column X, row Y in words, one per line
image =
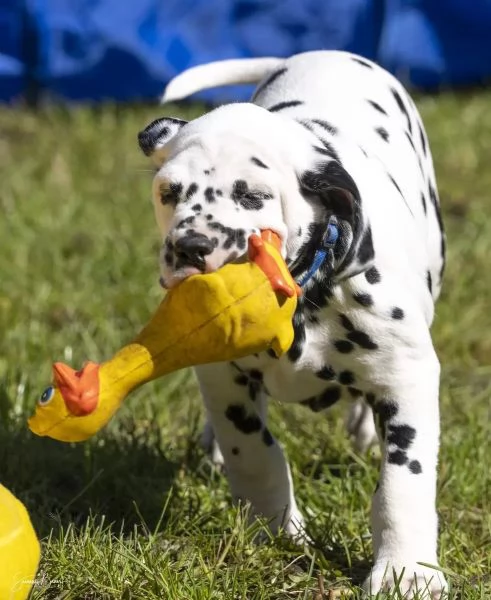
column 410, row 140
column 230, row 234
column 355, row 392
column 327, row 373
column 383, row 133
column 343, row 346
column 346, row 323
column 241, row 379
column 267, row 437
column 423, row 202
column 273, row 77
column 235, row 451
column 206, row 172
column 362, row 339
column 219, row 192
column 209, row 217
column 422, row 137
column 429, row 282
column 240, row 239
column 401, row 435
column 296, row 348
column 436, row 206
column 402, row 108
column 248, row 199
column 210, row 195
column 397, row 313
column 377, row 106
column 386, row 410
column 372, row 275
column 168, row 259
column 362, row 62
column 366, row 253
column 192, row 189
column 259, row 163
column 327, row 150
column 317, row 294
column 299, row 231
column 415, row 467
column 324, row 400
column 395, row 184
column 363, row 299
column 346, row 378
column 185, row 222
column 242, row 421
column 370, row 398
column 325, row 125
column 283, row 105
column 256, row 374
column 398, row 457
column 196, row 207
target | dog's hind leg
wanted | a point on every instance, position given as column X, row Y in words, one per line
column 360, row 425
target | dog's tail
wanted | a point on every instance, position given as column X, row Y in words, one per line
column 215, row 74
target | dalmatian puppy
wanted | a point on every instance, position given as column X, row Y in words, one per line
column 331, row 154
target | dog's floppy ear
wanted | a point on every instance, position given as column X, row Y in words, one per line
column 153, row 139
column 335, row 188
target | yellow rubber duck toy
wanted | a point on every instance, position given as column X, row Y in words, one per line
column 19, row 548
column 241, row 309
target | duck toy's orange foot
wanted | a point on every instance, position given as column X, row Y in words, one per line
column 241, row 309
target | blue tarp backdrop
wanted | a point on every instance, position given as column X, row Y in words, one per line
column 128, row 49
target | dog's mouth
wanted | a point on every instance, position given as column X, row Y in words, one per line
column 180, row 275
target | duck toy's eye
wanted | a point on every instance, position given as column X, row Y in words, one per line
column 46, row 396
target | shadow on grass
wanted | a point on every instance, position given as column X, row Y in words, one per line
column 126, row 475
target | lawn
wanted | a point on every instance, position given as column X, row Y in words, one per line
column 138, row 512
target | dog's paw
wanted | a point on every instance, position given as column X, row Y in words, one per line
column 411, row 581
column 295, row 528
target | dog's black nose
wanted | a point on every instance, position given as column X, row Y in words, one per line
column 192, row 249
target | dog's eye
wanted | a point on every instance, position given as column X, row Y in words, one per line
column 167, row 197
column 170, row 194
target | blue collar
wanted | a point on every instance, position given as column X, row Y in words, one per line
column 329, row 240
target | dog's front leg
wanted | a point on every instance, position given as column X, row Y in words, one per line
column 404, row 519
column 254, row 462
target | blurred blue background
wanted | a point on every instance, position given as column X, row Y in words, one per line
column 126, row 50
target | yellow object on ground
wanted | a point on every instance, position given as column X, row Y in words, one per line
column 19, row 548
column 241, row 309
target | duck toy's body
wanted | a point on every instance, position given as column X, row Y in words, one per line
column 241, row 309
column 19, row 548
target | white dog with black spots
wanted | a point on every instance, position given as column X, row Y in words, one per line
column 332, row 155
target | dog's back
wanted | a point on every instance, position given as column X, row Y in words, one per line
column 343, row 96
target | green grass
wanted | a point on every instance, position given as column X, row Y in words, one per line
column 138, row 512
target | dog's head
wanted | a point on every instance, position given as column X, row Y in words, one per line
column 235, row 171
